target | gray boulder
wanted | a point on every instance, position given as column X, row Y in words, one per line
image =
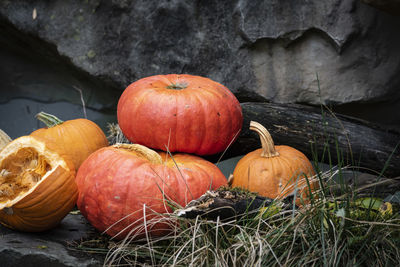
column 260, row 49
column 390, row 6
column 55, row 248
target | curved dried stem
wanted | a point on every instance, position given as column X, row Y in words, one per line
column 268, row 146
column 48, row 119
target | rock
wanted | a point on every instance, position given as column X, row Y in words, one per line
column 389, row 6
column 35, row 78
column 21, row 115
column 48, row 248
column 262, row 50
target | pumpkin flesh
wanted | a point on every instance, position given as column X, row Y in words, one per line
column 37, row 187
column 20, row 172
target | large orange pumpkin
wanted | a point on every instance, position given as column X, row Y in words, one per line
column 77, row 138
column 183, row 113
column 116, row 183
column 274, row 171
column 37, row 185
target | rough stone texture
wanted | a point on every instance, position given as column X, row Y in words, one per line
column 35, row 78
column 390, row 6
column 262, row 50
column 48, row 248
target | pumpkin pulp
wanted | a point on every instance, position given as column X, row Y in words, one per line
column 20, row 172
column 37, row 184
column 24, row 163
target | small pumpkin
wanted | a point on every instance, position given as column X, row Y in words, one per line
column 37, row 185
column 273, row 171
column 4, row 139
column 181, row 113
column 77, row 138
column 121, row 185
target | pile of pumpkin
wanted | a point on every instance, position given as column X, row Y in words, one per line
column 120, row 188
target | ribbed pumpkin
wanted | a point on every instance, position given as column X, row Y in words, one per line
column 273, row 171
column 37, row 185
column 116, row 183
column 185, row 113
column 77, row 138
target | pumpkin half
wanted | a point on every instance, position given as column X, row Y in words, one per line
column 77, row 138
column 37, row 185
column 181, row 113
column 123, row 185
column 274, row 171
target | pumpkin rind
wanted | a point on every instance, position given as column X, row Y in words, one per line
column 44, row 204
column 4, row 139
column 76, row 138
column 201, row 116
column 115, row 184
column 274, row 172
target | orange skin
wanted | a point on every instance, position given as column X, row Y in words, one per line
column 273, row 177
column 114, row 183
column 202, row 118
column 52, row 198
column 274, row 171
column 76, row 138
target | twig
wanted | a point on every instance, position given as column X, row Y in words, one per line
column 82, row 100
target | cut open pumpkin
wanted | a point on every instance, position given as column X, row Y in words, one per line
column 37, row 185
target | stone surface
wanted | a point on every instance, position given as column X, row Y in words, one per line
column 48, row 248
column 35, row 78
column 389, row 6
column 262, row 50
column 20, row 115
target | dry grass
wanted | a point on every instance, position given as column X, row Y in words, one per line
column 340, row 227
column 331, row 231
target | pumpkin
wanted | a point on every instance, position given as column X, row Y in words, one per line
column 273, row 171
column 37, row 185
column 77, row 138
column 4, row 139
column 183, row 113
column 122, row 185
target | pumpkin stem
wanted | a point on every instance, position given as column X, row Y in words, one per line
column 177, row 86
column 141, row 151
column 268, row 147
column 48, row 119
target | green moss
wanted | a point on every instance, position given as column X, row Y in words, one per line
column 91, row 54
